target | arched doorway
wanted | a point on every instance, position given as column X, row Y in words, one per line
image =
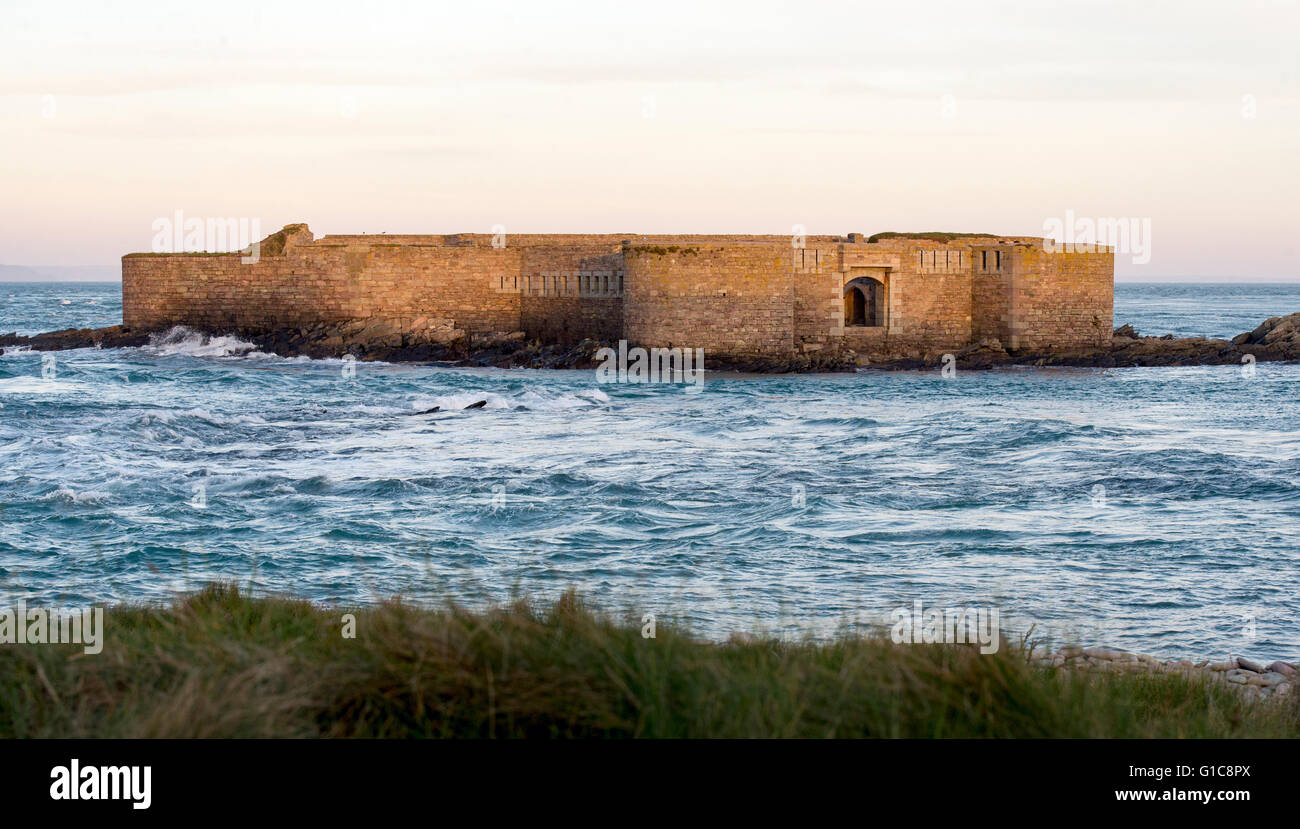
column 864, row 302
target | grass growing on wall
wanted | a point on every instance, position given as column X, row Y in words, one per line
column 220, row 664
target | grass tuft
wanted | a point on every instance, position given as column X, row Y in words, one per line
column 220, row 664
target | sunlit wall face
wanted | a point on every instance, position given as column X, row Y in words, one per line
column 669, row 117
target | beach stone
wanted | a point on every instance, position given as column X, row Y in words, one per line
column 1101, row 653
column 1070, row 651
column 1249, row 665
column 1236, row 677
column 1272, row 678
column 1223, row 666
column 1282, row 668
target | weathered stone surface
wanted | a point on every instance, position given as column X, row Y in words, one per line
column 1238, row 677
column 113, row 337
column 1249, row 665
column 1102, row 653
column 1271, row 685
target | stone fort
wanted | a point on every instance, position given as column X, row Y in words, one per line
column 767, row 297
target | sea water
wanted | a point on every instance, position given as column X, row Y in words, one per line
column 1156, row 509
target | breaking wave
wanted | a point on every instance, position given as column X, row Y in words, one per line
column 183, row 341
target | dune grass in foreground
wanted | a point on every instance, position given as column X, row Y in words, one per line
column 219, row 664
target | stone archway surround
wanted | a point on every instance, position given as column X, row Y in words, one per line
column 858, row 277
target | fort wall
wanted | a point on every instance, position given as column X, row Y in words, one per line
column 732, row 299
column 818, row 319
column 1061, row 300
column 736, row 296
column 572, row 292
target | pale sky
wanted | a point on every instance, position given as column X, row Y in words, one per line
column 656, row 117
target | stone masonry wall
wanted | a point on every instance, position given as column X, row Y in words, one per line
column 1061, row 300
column 818, row 297
column 930, row 299
column 927, row 287
column 735, row 300
column 991, row 302
column 572, row 292
column 322, row 283
column 741, row 296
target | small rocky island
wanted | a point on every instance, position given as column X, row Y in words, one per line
column 1276, row 339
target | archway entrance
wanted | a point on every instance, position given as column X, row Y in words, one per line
column 864, row 302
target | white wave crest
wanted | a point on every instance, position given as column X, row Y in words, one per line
column 37, row 385
column 183, row 341
column 67, row 495
column 169, row 416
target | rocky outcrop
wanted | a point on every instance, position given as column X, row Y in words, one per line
column 1276, row 339
column 112, row 337
column 1281, row 334
column 430, row 339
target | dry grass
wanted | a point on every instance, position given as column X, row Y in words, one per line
column 219, row 664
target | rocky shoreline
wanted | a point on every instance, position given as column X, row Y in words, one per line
column 1277, row 339
column 421, row 340
column 1253, row 679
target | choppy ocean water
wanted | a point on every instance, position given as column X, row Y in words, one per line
column 1156, row 509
